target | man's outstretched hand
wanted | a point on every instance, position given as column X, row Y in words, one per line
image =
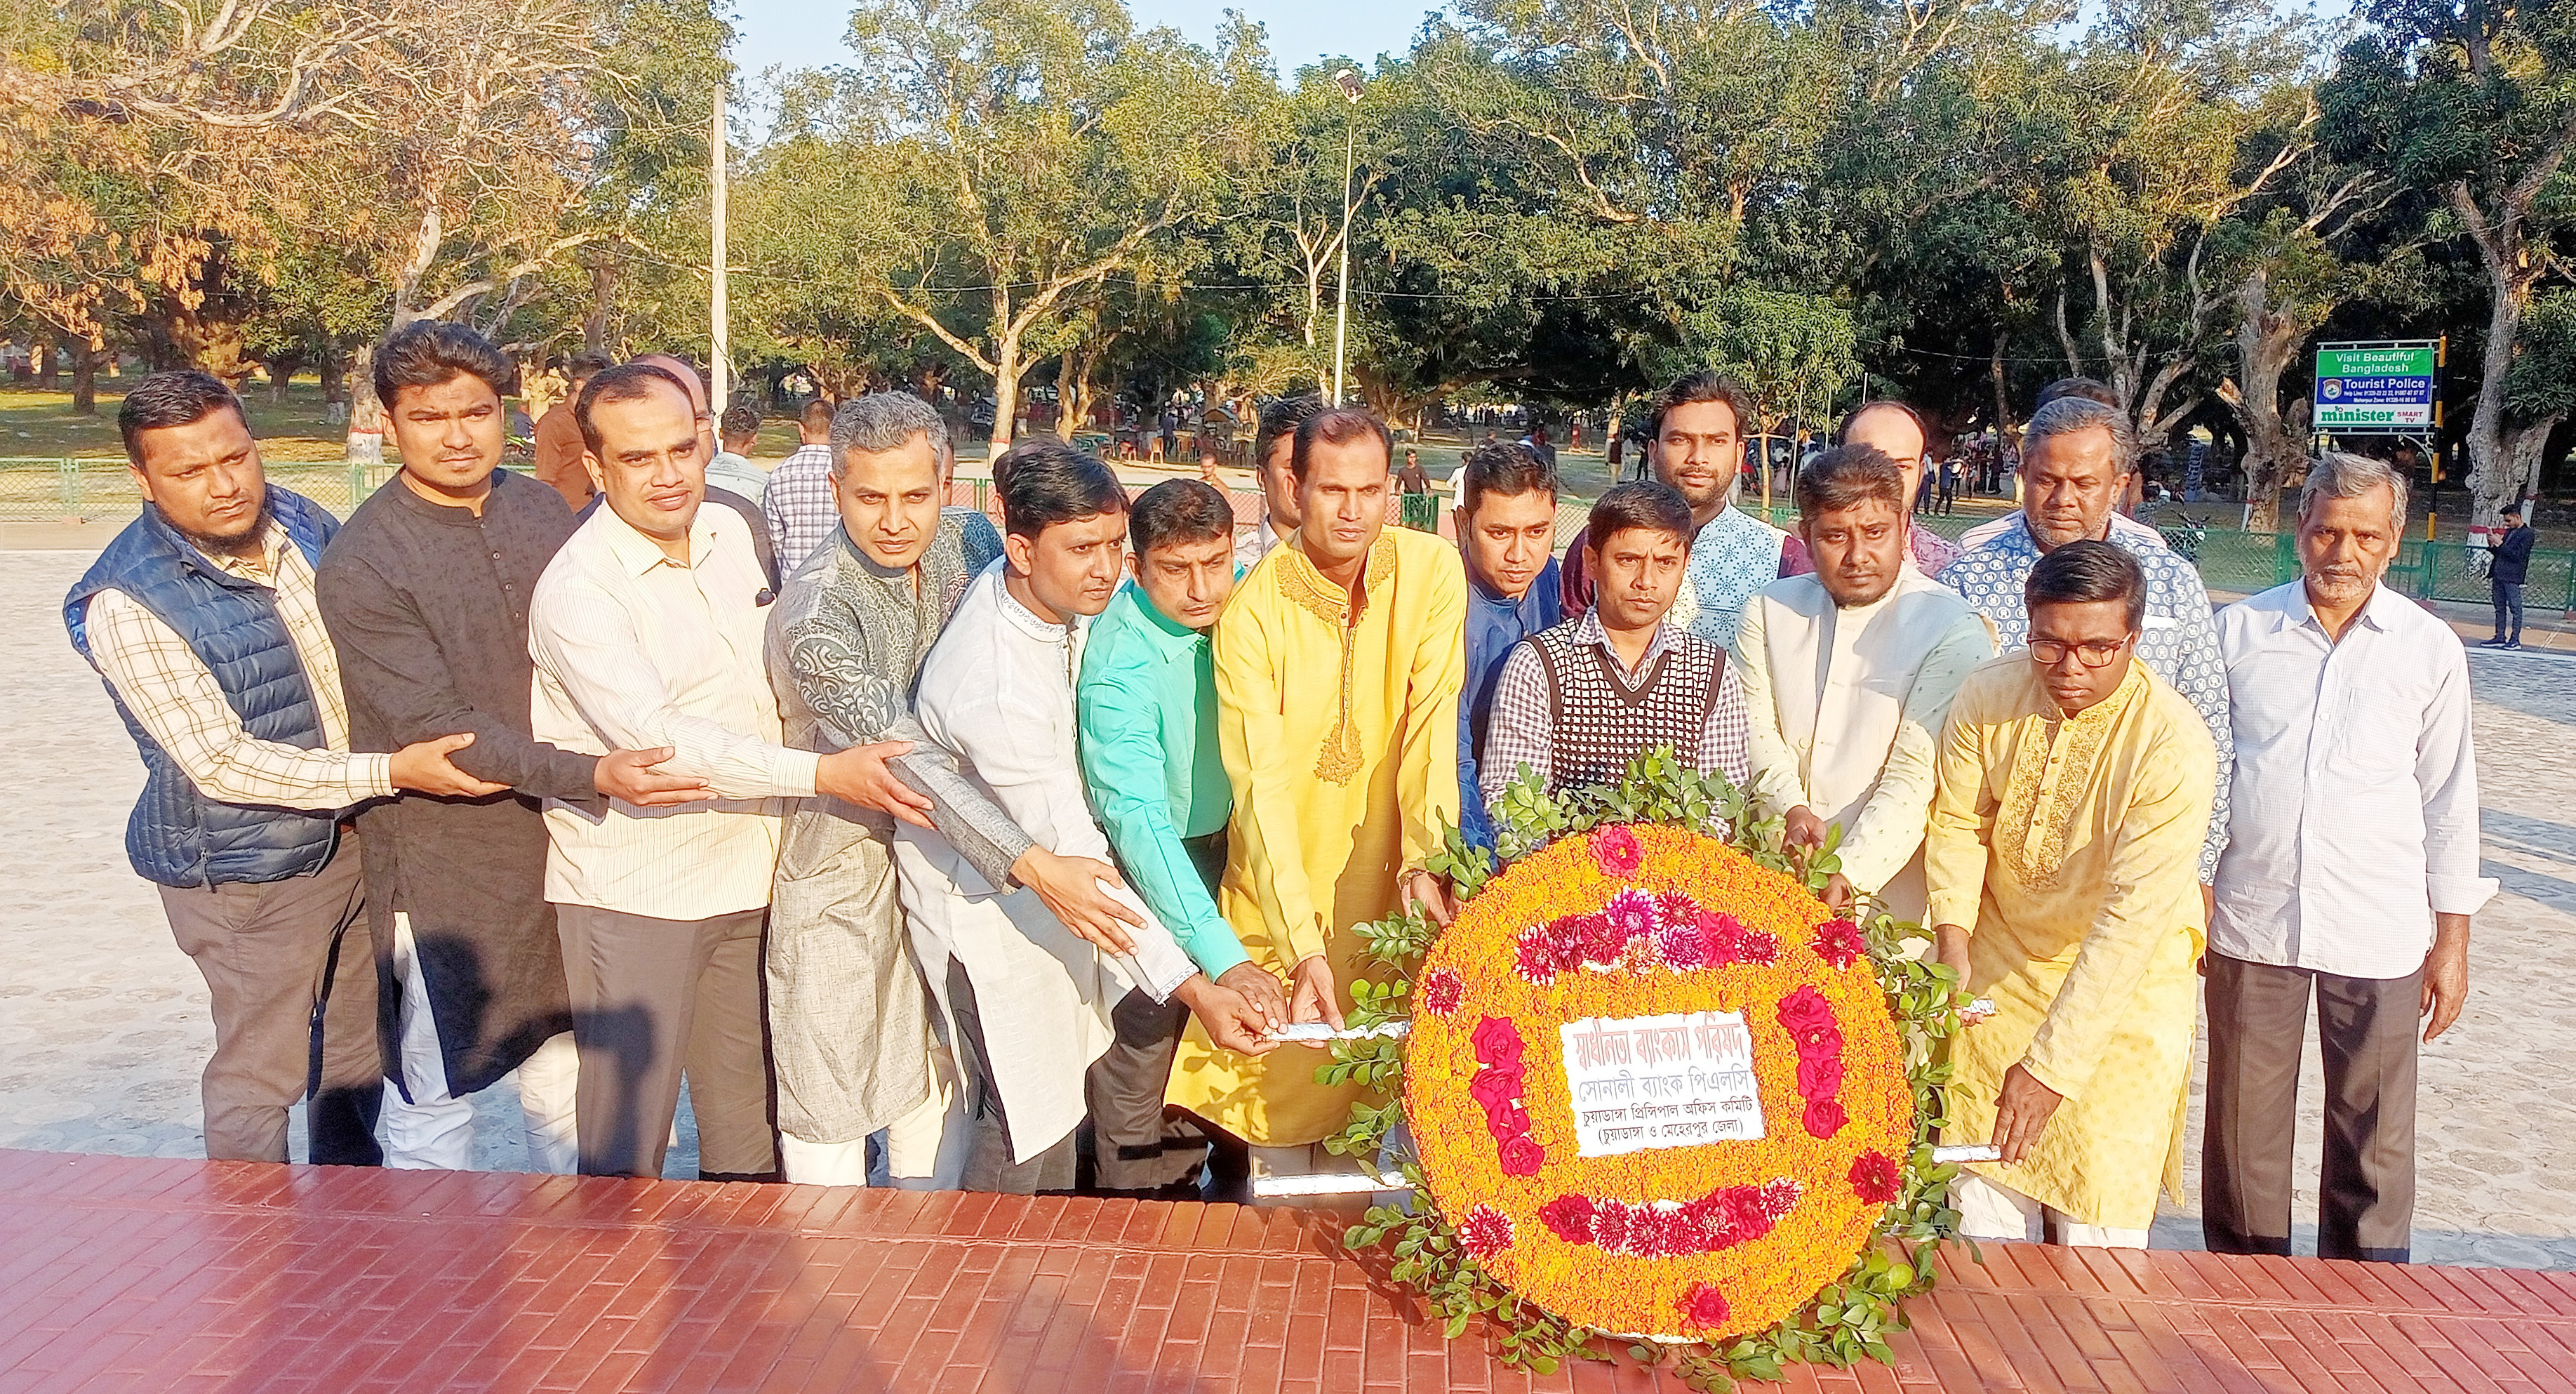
column 1070, row 886
column 629, row 777
column 1232, row 1021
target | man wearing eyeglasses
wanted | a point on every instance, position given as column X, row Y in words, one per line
column 2072, row 791
column 1697, row 446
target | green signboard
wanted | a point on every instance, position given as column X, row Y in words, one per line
column 2379, row 389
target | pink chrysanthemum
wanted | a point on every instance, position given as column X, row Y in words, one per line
column 1485, row 1232
column 1681, row 945
column 1760, row 948
column 1874, row 1178
column 1569, row 1217
column 1616, row 851
column 1534, row 958
column 1443, row 990
column 1631, row 913
column 1601, row 941
column 1676, row 907
column 1839, row 942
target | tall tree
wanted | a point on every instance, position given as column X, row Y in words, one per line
column 2475, row 101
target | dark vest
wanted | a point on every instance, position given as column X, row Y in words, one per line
column 177, row 836
column 1601, row 724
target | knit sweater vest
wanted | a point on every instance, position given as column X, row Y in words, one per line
column 1601, row 724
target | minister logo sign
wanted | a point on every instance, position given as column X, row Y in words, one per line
column 2367, row 390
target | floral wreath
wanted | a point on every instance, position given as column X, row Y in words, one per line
column 1746, row 1178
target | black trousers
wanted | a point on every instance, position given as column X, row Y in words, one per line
column 2508, row 602
column 1136, row 1144
column 2258, row 1018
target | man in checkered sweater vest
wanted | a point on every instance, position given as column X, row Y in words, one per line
column 1578, row 701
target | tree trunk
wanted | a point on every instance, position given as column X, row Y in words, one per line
column 335, row 386
column 2266, row 339
column 85, row 361
column 365, row 442
column 2495, row 478
column 49, row 363
column 1006, row 393
column 2525, row 447
column 603, row 297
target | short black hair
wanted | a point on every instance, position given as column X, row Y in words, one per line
column 1046, row 482
column 2083, row 572
column 1504, row 471
column 2090, row 389
column 1703, row 386
column 1842, row 428
column 590, row 363
column 1177, row 511
column 817, row 415
column 181, row 398
column 1849, row 475
column 433, row 353
column 1338, row 426
column 1281, row 418
column 739, row 419
column 624, row 382
column 1648, row 504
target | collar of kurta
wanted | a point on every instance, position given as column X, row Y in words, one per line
column 2037, row 816
column 1025, row 620
column 1310, row 590
column 455, row 515
column 640, row 554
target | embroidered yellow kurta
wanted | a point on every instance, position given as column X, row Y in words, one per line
column 2071, row 851
column 1340, row 737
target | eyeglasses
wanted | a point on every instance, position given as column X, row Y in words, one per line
column 2096, row 653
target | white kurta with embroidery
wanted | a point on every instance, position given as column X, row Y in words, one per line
column 997, row 691
column 1843, row 706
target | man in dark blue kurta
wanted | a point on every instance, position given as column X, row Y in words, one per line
column 1506, row 532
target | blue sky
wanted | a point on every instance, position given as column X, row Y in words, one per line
column 807, row 33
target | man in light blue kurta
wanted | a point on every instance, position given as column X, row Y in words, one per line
column 1147, row 719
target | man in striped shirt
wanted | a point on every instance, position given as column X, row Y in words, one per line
column 201, row 619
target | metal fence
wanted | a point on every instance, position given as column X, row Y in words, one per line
column 36, row 489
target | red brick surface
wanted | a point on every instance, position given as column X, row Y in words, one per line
column 125, row 1274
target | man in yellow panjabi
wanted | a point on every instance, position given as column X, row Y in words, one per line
column 2073, row 794
column 1338, row 666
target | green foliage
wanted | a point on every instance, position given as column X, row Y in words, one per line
column 1846, row 1322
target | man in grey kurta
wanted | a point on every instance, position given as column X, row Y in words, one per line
column 849, row 1026
column 425, row 594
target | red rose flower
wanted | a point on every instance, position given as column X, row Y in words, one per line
column 1824, row 1118
column 1522, row 1156
column 1820, row 1074
column 1443, row 990
column 1497, row 1041
column 1839, row 942
column 1570, row 1217
column 1485, row 1232
column 1808, row 1018
column 1507, row 1118
column 1874, row 1178
column 1704, row 1307
column 1615, row 849
column 1494, row 1085
column 1725, row 938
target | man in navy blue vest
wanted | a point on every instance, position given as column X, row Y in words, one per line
column 201, row 618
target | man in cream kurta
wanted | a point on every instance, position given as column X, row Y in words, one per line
column 1337, row 712
column 2063, row 869
column 1848, row 673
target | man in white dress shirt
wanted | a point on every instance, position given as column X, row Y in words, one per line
column 1848, row 672
column 1030, row 1003
column 646, row 630
column 2351, row 872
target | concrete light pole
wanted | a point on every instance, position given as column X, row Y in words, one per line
column 722, row 372
column 1349, row 79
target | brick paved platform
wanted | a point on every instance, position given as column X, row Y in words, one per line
column 148, row 1274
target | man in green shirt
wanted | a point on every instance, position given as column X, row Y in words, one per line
column 1147, row 718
